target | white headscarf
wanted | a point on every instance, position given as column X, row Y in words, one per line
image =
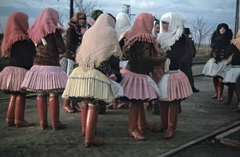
column 174, row 32
column 123, row 24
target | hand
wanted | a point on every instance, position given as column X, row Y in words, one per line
column 214, row 53
column 163, row 59
column 113, row 77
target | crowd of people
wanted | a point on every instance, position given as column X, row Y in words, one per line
column 108, row 60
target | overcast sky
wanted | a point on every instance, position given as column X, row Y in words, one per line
column 214, row 11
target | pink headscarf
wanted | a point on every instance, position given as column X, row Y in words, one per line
column 46, row 23
column 142, row 31
column 15, row 30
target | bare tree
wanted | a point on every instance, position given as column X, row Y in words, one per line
column 201, row 30
column 86, row 6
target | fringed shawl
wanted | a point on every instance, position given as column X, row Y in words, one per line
column 123, row 24
column 15, row 30
column 142, row 31
column 236, row 41
column 46, row 23
column 167, row 38
column 99, row 44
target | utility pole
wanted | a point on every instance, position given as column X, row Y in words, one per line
column 236, row 19
column 71, row 9
column 127, row 9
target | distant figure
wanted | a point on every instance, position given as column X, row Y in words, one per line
column 77, row 28
column 156, row 28
column 94, row 15
column 189, row 70
column 18, row 45
column 217, row 65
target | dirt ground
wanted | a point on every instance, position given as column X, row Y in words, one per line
column 201, row 116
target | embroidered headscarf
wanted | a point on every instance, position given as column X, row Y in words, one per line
column 123, row 24
column 99, row 43
column 46, row 23
column 15, row 30
column 167, row 38
column 142, row 31
column 236, row 41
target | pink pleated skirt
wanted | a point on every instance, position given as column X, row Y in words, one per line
column 11, row 78
column 174, row 85
column 136, row 86
column 45, row 79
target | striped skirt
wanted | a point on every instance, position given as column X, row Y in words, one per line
column 89, row 85
column 46, row 79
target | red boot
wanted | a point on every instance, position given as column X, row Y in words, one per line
column 172, row 119
column 19, row 112
column 54, row 113
column 42, row 110
column 66, row 106
column 11, row 110
column 163, row 116
column 132, row 122
column 142, row 122
column 84, row 111
column 91, row 124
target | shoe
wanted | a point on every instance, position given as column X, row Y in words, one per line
column 136, row 134
column 94, row 142
column 214, row 96
column 237, row 110
column 195, row 90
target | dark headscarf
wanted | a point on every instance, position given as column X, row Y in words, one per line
column 220, row 41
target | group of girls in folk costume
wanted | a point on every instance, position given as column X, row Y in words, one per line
column 177, row 48
column 91, row 82
column 232, row 75
column 217, row 65
column 46, row 77
column 17, row 45
column 77, row 28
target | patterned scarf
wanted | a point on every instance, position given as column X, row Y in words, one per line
column 167, row 38
column 99, row 44
column 46, row 23
column 15, row 30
